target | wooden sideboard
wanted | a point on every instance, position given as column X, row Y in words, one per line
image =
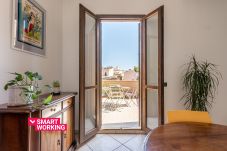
column 16, row 135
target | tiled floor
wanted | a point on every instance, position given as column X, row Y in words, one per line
column 114, row 142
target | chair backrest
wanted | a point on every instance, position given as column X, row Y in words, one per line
column 116, row 91
column 188, row 116
column 106, row 91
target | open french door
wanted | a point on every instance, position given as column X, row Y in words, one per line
column 151, row 72
column 152, row 69
column 89, row 94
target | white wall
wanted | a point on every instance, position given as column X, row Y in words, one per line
column 14, row 61
column 191, row 27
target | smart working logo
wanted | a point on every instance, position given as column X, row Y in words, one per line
column 47, row 124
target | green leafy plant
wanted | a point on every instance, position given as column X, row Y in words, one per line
column 200, row 82
column 47, row 100
column 56, row 84
column 28, row 83
column 136, row 69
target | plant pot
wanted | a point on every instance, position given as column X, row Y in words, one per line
column 56, row 90
column 17, row 98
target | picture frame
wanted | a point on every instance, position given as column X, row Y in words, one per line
column 29, row 27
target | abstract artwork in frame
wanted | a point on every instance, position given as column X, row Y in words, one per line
column 29, row 27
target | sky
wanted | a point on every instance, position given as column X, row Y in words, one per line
column 120, row 44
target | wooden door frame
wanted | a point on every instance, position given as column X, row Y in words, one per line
column 160, row 88
column 142, row 62
column 127, row 18
column 123, row 18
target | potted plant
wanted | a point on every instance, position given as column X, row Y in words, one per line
column 56, row 87
column 24, row 88
column 200, row 82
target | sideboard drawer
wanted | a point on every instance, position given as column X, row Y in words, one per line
column 51, row 110
column 67, row 102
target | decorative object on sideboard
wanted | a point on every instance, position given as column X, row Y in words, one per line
column 200, row 82
column 56, row 88
column 29, row 27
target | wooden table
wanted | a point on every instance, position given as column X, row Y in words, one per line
column 187, row 137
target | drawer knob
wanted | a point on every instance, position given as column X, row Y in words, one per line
column 59, row 142
column 65, row 135
column 53, row 109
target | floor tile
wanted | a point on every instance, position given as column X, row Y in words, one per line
column 84, row 148
column 136, row 144
column 96, row 138
column 123, row 138
column 103, row 143
column 122, row 148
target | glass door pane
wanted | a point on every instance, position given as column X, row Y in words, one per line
column 152, row 70
column 152, row 50
column 90, row 50
column 90, row 110
column 152, row 108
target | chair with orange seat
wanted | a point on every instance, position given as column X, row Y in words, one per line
column 188, row 116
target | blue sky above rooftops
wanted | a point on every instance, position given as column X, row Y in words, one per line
column 120, row 45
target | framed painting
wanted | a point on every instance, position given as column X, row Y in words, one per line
column 29, row 27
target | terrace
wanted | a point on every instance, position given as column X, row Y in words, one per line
column 121, row 105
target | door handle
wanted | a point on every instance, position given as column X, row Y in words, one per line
column 165, row 84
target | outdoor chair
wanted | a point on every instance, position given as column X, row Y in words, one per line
column 116, row 93
column 132, row 96
column 106, row 96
